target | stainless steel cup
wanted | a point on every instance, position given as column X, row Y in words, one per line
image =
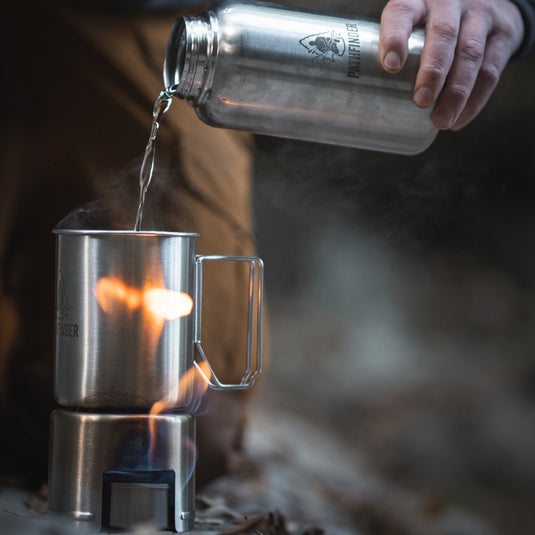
column 128, row 316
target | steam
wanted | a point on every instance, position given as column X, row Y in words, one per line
column 116, row 199
column 418, row 202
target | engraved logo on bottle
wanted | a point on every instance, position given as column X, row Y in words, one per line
column 353, row 39
column 325, row 46
column 64, row 328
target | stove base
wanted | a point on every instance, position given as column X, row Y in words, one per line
column 118, row 471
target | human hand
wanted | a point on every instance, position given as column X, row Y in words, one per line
column 468, row 44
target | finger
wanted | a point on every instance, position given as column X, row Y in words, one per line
column 397, row 20
column 502, row 44
column 462, row 77
column 496, row 57
column 442, row 30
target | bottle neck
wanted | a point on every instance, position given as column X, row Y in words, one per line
column 190, row 53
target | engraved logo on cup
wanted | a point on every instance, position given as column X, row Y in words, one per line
column 325, row 46
column 136, row 451
column 63, row 307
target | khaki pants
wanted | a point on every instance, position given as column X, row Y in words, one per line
column 79, row 88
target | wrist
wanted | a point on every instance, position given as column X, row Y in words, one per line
column 527, row 11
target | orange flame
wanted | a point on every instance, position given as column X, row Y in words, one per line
column 167, row 304
column 156, row 304
column 192, row 385
column 160, row 302
column 112, row 292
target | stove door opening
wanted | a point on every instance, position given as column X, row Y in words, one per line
column 134, row 498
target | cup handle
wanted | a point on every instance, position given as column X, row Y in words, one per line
column 254, row 323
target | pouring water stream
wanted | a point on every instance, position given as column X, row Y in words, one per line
column 162, row 104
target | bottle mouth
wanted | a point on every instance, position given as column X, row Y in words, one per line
column 191, row 51
column 175, row 57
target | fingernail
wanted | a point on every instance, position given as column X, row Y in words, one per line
column 443, row 119
column 392, row 61
column 423, row 97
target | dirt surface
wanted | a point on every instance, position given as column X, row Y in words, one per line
column 298, row 480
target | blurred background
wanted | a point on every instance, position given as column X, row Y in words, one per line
column 402, row 300
column 401, row 293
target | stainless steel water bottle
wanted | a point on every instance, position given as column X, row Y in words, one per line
column 275, row 70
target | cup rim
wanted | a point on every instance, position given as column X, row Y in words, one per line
column 137, row 233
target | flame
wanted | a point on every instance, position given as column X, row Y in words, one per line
column 192, row 385
column 153, row 301
column 162, row 304
column 167, row 304
column 158, row 305
column 112, row 292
